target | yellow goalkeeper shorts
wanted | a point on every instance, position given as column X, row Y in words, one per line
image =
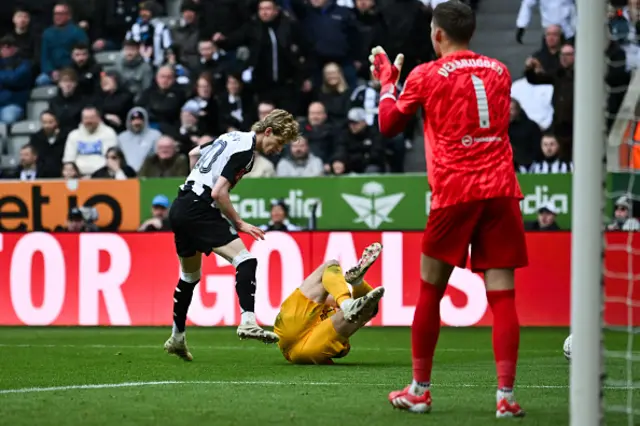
column 307, row 335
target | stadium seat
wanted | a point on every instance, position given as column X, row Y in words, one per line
column 17, row 142
column 34, row 109
column 173, row 7
column 3, row 131
column 8, row 162
column 25, row 127
column 107, row 58
column 43, row 93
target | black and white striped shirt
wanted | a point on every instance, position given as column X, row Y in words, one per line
column 155, row 34
column 551, row 167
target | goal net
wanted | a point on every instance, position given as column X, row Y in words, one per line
column 605, row 370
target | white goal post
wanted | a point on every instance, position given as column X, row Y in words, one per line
column 587, row 224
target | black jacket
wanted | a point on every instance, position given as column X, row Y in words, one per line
column 163, row 106
column 50, row 151
column 322, row 140
column 525, row 136
column 117, row 103
column 361, row 150
column 248, row 108
column 88, row 77
column 68, row 110
column 223, row 16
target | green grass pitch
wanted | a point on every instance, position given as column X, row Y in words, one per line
column 47, row 376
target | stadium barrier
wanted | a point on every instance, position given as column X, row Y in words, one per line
column 385, row 202
column 128, row 279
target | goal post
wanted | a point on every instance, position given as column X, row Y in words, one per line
column 587, row 213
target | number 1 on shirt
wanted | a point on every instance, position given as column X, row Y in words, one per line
column 482, row 101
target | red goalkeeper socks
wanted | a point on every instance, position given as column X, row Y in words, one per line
column 425, row 331
column 506, row 335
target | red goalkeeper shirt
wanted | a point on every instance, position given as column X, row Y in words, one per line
column 465, row 99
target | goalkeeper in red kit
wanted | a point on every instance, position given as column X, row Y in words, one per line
column 465, row 99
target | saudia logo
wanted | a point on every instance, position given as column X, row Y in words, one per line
column 373, row 207
column 531, row 202
column 540, row 196
column 260, row 208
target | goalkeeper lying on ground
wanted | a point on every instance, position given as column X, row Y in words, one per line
column 317, row 319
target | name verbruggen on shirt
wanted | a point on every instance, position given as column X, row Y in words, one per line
column 449, row 67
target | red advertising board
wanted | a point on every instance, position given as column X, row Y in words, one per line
column 128, row 279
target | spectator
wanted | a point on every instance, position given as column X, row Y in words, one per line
column 319, row 133
column 261, row 167
column 369, row 26
column 28, row 43
column 137, row 75
column 159, row 220
column 154, row 37
column 332, row 33
column 188, row 134
column 300, row 162
column 77, row 222
column 525, row 136
column 139, row 140
column 335, row 95
column 237, row 109
column 338, row 166
column 113, row 20
column 87, row 70
column 87, row 145
column 622, row 219
column 182, row 73
column 49, row 143
column 277, row 55
column 113, row 101
column 30, row 166
column 551, row 161
column 561, row 12
column 163, row 100
column 280, row 219
column 617, row 79
column 535, row 100
column 116, row 166
column 403, row 31
column 166, row 162
column 361, row 145
column 546, row 220
column 562, row 101
column 207, row 106
column 549, row 54
column 15, row 81
column 70, row 170
column 187, row 35
column 67, row 104
column 215, row 62
column 57, row 42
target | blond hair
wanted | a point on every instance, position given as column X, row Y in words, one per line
column 281, row 122
column 342, row 85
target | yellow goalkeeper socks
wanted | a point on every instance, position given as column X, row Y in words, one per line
column 361, row 289
column 333, row 281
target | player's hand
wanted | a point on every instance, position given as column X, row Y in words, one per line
column 382, row 69
column 254, row 231
column 519, row 35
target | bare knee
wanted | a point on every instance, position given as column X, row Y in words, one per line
column 499, row 279
column 434, row 271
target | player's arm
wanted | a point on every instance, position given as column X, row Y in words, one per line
column 228, row 179
column 194, row 156
column 395, row 112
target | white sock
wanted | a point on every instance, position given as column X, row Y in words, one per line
column 176, row 334
column 248, row 318
column 418, row 388
column 504, row 393
column 346, row 304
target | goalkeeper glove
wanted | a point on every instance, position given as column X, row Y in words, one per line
column 383, row 70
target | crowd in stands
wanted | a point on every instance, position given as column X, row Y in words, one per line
column 168, row 86
column 542, row 108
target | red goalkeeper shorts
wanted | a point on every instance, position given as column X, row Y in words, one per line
column 493, row 228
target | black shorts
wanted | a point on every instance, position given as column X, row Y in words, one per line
column 198, row 227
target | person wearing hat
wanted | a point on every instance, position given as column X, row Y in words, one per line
column 622, row 218
column 189, row 133
column 546, row 220
column 15, row 81
column 77, row 222
column 280, row 218
column 159, row 215
column 139, row 140
column 361, row 145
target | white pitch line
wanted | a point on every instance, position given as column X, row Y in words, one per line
column 254, row 382
column 254, row 348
